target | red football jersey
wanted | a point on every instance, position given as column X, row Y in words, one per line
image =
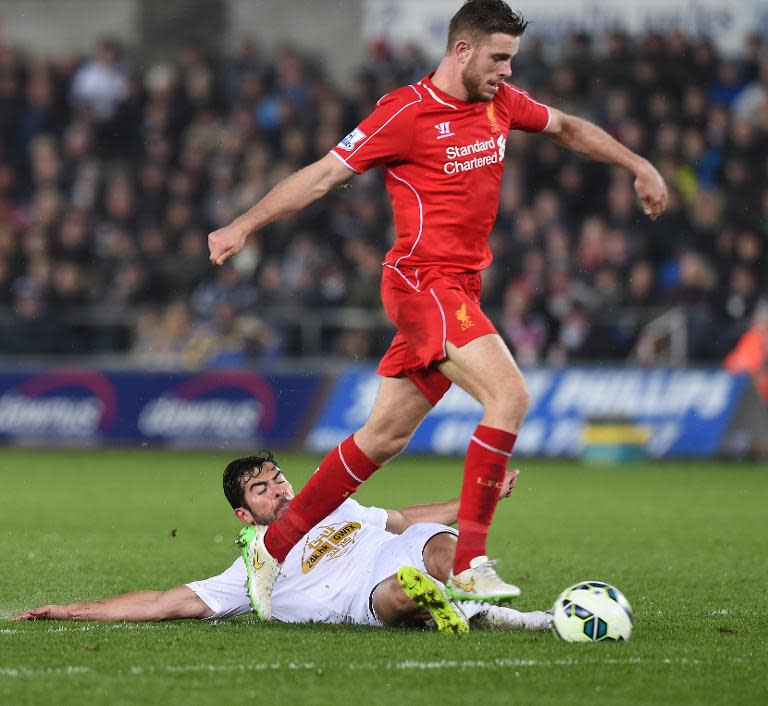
column 442, row 160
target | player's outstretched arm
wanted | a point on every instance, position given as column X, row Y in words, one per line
column 445, row 513
column 292, row 194
column 587, row 138
column 139, row 606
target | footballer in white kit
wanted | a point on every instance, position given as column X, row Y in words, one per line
column 329, row 576
column 360, row 566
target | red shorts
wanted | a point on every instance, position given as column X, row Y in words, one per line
column 428, row 311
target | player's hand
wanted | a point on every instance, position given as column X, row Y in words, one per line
column 46, row 612
column 651, row 190
column 508, row 485
column 225, row 242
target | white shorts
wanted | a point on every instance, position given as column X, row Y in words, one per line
column 226, row 594
column 406, row 549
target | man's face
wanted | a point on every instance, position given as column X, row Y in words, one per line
column 267, row 494
column 486, row 65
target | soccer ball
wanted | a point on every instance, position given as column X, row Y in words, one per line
column 592, row 611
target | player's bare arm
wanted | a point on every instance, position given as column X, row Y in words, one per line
column 292, row 194
column 445, row 513
column 587, row 138
column 139, row 606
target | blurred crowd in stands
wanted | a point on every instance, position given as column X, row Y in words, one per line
column 112, row 174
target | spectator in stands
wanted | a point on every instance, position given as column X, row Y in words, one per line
column 101, row 83
column 31, row 329
column 115, row 173
column 751, row 352
column 160, row 340
column 229, row 339
column 524, row 329
column 751, row 104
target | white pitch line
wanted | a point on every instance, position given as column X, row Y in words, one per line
column 82, row 628
column 406, row 665
column 499, row 663
column 103, row 626
column 227, row 668
column 416, row 665
column 46, row 671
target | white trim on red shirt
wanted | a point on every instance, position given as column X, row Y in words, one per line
column 533, row 100
column 344, row 162
column 421, row 228
column 391, row 118
column 434, row 95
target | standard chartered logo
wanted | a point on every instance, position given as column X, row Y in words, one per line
column 478, row 155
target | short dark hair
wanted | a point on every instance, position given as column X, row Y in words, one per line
column 239, row 471
column 476, row 18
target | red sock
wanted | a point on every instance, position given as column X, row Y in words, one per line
column 484, row 468
column 339, row 475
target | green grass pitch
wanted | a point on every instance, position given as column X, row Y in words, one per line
column 686, row 543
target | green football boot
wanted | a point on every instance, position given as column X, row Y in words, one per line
column 425, row 593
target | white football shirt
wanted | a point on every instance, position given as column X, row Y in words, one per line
column 322, row 576
column 324, row 573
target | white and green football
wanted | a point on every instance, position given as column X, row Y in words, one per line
column 592, row 611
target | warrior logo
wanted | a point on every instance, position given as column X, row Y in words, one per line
column 443, row 130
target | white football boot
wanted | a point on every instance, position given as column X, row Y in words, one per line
column 480, row 583
column 262, row 569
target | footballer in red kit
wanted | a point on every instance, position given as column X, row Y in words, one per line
column 443, row 160
column 441, row 144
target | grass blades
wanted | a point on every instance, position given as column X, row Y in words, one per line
column 685, row 542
